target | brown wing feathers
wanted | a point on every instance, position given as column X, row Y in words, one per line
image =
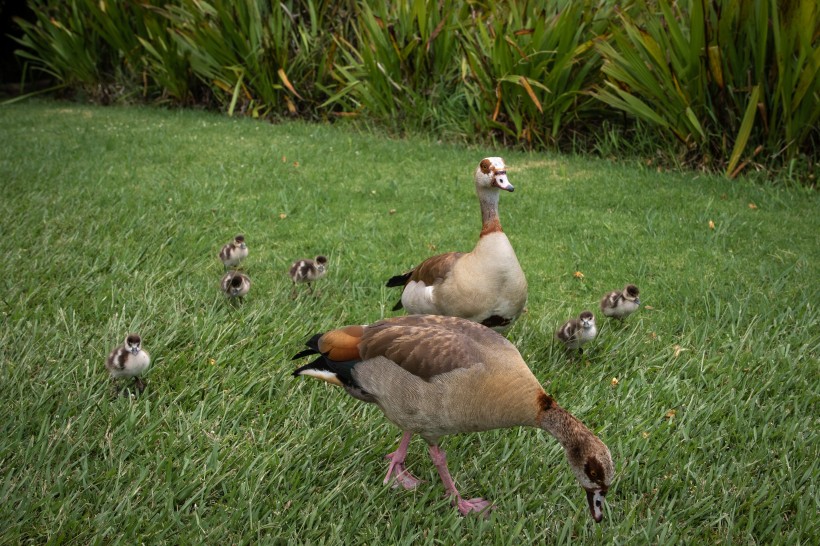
column 435, row 268
column 429, row 271
column 406, row 341
column 338, row 354
column 339, row 345
column 342, row 344
column 403, row 340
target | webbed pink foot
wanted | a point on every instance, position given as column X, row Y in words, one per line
column 397, row 471
column 401, row 476
column 474, row 505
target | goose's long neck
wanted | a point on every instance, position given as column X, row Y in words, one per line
column 490, row 222
column 565, row 427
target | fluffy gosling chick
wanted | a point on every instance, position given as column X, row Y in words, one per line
column 621, row 304
column 307, row 271
column 234, row 252
column 235, row 284
column 575, row 332
column 129, row 360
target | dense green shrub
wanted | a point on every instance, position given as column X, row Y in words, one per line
column 529, row 67
column 722, row 83
column 720, row 77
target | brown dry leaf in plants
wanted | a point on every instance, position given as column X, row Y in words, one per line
column 614, row 382
column 431, row 246
column 671, row 413
column 645, row 434
column 212, row 361
column 678, row 349
column 296, row 164
column 392, row 211
column 648, row 307
column 752, row 206
column 578, row 275
column 711, row 224
column 282, row 216
column 284, row 159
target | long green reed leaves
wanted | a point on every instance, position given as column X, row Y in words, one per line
column 528, row 67
column 720, row 77
column 722, row 83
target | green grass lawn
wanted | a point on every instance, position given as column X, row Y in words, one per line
column 111, row 221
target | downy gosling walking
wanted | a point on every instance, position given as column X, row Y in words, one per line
column 307, row 271
column 129, row 360
column 234, row 252
column 621, row 304
column 235, row 284
column 576, row 332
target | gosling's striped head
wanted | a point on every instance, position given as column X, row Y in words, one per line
column 631, row 293
column 133, row 343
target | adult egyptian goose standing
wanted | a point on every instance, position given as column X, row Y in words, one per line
column 438, row 375
column 486, row 285
column 621, row 304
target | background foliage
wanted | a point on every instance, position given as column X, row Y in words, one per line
column 721, row 84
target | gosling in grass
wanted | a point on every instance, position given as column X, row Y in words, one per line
column 621, row 304
column 235, row 284
column 234, row 252
column 307, row 271
column 578, row 331
column 129, row 360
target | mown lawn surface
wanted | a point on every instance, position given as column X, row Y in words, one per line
column 111, row 220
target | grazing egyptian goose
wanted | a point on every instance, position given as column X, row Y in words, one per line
column 307, row 271
column 438, row 375
column 234, row 252
column 129, row 360
column 486, row 285
column 235, row 284
column 575, row 332
column 621, row 304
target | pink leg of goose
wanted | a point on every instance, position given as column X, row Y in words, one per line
column 396, row 469
column 464, row 506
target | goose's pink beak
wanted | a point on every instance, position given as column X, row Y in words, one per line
column 596, row 504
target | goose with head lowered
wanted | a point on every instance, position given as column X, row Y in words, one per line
column 486, row 285
column 438, row 375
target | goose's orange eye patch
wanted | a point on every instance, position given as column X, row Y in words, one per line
column 594, row 470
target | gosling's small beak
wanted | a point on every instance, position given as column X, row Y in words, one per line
column 135, row 350
column 637, row 301
column 596, row 504
column 501, row 182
